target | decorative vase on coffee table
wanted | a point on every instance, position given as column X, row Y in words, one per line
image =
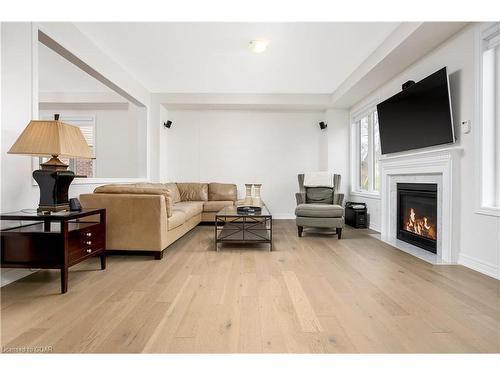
column 256, row 200
column 248, row 195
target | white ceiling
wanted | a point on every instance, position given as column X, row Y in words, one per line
column 56, row 74
column 214, row 58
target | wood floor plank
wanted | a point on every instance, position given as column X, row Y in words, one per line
column 313, row 294
column 305, row 313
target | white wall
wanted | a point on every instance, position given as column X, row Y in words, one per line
column 241, row 147
column 19, row 102
column 338, row 145
column 20, row 81
column 17, row 111
column 480, row 234
column 118, row 137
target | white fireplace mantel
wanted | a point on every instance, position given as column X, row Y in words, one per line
column 442, row 163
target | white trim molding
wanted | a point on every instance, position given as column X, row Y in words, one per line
column 479, row 266
column 366, row 194
column 374, row 227
column 442, row 163
column 481, row 36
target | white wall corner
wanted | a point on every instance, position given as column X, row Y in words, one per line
column 338, row 145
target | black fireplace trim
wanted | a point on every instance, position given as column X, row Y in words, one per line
column 413, row 238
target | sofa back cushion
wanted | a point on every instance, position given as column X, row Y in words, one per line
column 138, row 188
column 174, row 191
column 222, row 192
column 319, row 195
column 193, row 191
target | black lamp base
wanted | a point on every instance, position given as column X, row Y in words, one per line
column 54, row 185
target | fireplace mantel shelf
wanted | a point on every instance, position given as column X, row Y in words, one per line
column 422, row 154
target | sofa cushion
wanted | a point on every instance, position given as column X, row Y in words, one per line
column 222, row 192
column 190, row 209
column 319, row 210
column 193, row 191
column 177, row 219
column 174, row 191
column 319, row 195
column 216, row 206
column 138, row 188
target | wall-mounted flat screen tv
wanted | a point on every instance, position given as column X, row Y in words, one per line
column 419, row 116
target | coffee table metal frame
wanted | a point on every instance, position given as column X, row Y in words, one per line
column 241, row 228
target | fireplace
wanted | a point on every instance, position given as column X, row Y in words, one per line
column 417, row 215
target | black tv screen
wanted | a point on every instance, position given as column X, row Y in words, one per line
column 419, row 116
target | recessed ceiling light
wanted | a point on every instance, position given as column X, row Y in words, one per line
column 258, row 45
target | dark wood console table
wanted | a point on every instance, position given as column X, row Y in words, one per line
column 56, row 241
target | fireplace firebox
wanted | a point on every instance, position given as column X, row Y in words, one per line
column 417, row 215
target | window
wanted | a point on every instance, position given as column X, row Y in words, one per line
column 365, row 142
column 377, row 153
column 364, row 172
column 488, row 135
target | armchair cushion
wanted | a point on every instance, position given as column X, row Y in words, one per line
column 319, row 195
column 319, row 210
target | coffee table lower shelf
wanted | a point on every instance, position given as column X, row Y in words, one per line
column 244, row 230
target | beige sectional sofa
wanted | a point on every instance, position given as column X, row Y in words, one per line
column 146, row 218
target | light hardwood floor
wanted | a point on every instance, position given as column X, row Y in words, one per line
column 312, row 294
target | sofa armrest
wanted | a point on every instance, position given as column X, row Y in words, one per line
column 133, row 221
column 300, row 198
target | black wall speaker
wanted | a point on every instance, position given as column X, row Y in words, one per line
column 322, row 125
column 407, row 84
column 167, row 124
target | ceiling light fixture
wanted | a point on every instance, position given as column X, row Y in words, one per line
column 258, row 45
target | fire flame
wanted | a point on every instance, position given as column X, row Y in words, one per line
column 421, row 226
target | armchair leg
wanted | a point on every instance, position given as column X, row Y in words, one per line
column 299, row 230
column 339, row 232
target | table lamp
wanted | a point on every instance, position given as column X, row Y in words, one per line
column 52, row 138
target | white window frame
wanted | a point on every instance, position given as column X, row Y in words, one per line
column 369, row 109
column 482, row 35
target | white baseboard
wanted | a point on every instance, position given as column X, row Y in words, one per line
column 374, row 227
column 479, row 266
column 283, row 217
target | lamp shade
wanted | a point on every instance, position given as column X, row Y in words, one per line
column 52, row 138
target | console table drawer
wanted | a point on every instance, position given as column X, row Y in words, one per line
column 85, row 242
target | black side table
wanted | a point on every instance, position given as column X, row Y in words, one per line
column 55, row 241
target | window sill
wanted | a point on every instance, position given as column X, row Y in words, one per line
column 488, row 211
column 366, row 194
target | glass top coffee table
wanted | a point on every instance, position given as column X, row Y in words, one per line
column 232, row 226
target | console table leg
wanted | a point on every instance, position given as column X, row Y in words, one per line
column 103, row 261
column 64, row 280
